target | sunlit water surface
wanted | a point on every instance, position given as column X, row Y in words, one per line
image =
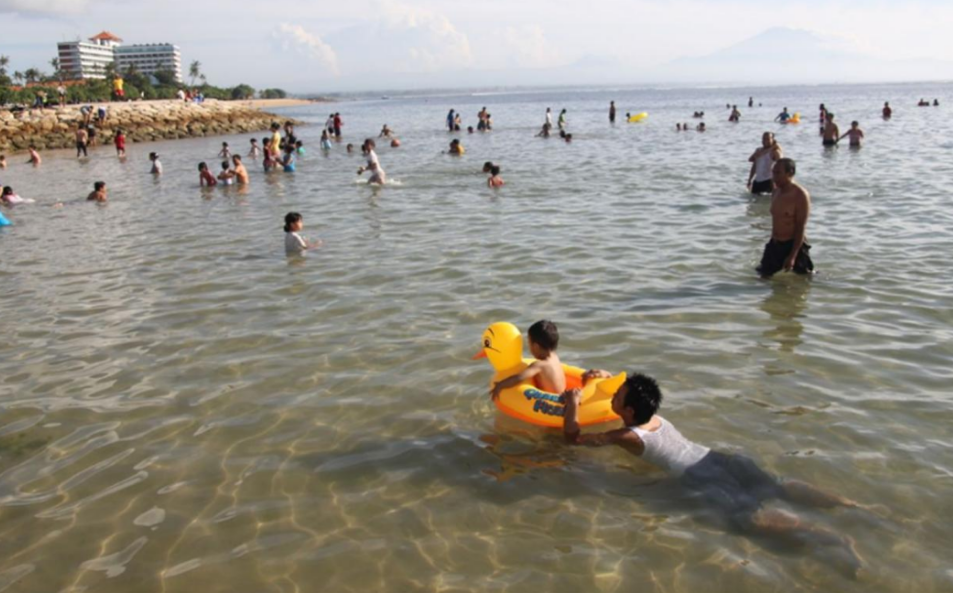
column 185, row 409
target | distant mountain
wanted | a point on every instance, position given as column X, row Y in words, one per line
column 784, row 55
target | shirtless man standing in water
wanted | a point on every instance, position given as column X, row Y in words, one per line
column 790, row 209
column 831, row 131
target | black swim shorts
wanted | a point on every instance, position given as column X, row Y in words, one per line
column 776, row 252
column 830, row 143
column 733, row 484
column 762, row 187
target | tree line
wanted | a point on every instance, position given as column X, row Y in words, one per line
column 23, row 87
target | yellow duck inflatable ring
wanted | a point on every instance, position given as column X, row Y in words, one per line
column 503, row 347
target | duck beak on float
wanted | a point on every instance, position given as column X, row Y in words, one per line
column 479, row 355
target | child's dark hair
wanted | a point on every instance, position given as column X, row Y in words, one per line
column 290, row 219
column 7, row 190
column 495, row 170
column 225, row 165
column 224, row 143
column 203, row 166
column 252, row 140
column 545, row 334
column 487, row 166
column 99, row 185
column 643, row 396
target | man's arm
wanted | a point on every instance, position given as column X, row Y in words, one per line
column 802, row 209
column 571, row 429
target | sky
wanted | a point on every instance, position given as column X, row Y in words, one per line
column 306, row 46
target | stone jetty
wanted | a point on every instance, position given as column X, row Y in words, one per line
column 142, row 121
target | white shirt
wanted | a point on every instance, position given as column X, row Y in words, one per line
column 549, row 118
column 157, row 167
column 294, row 243
column 372, row 159
column 763, row 165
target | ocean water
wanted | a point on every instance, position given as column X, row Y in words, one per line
column 183, row 408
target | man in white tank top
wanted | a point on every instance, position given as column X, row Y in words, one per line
column 762, row 162
column 733, row 484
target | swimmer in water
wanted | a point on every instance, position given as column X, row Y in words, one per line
column 568, row 138
column 546, row 371
column 99, row 192
column 206, row 179
column 325, row 141
column 729, row 483
column 395, row 143
column 790, row 209
column 831, row 131
column 544, row 133
column 762, row 165
column 225, row 153
column 495, row 180
column 156, row 164
column 854, row 133
column 35, row 159
column 3, row 161
column 887, row 112
column 9, row 198
column 783, row 117
column 241, row 173
column 373, row 164
column 268, row 160
column 350, row 148
column 295, row 244
column 226, row 176
column 456, row 148
column 701, row 127
column 487, row 167
column 255, row 151
column 288, row 161
column 120, row 142
column 299, row 147
column 385, row 132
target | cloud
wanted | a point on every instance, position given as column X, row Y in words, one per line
column 421, row 40
column 293, row 38
column 529, row 48
column 43, row 7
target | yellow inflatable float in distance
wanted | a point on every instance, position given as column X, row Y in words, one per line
column 503, row 347
column 634, row 119
column 795, row 119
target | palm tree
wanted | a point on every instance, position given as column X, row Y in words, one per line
column 4, row 62
column 55, row 63
column 18, row 76
column 195, row 71
column 32, row 75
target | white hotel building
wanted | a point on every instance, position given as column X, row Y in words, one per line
column 82, row 60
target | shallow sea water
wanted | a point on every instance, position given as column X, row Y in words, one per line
column 183, row 408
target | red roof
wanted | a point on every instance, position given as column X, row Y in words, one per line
column 105, row 36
